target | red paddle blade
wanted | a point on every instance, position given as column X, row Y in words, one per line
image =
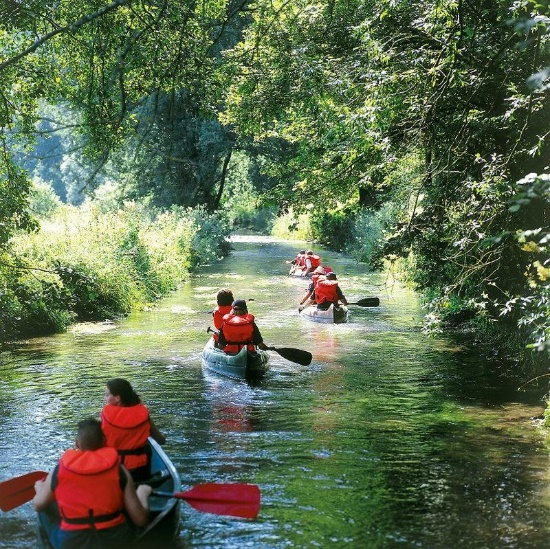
column 19, row 490
column 243, row 510
column 237, row 500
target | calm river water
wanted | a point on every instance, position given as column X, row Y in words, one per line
column 388, row 439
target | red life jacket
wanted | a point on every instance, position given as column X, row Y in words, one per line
column 300, row 260
column 326, row 291
column 315, row 279
column 315, row 260
column 88, row 490
column 126, row 428
column 238, row 331
column 219, row 312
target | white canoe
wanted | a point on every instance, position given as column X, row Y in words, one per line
column 333, row 315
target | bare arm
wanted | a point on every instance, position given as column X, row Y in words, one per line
column 306, row 297
column 341, row 296
column 308, row 267
column 44, row 495
column 155, row 433
column 136, row 502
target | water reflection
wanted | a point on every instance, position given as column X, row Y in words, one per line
column 388, row 439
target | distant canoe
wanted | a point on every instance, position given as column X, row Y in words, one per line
column 333, row 315
column 242, row 365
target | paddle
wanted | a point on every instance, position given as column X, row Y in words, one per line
column 290, row 353
column 294, row 355
column 367, row 302
column 236, row 500
column 19, row 490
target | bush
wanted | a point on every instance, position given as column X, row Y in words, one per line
column 334, row 229
column 292, row 226
column 32, row 303
column 86, row 264
column 44, row 305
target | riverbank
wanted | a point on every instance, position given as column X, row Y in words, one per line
column 88, row 265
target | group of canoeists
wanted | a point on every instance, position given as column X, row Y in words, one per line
column 324, row 289
column 235, row 328
column 97, row 494
column 91, row 498
column 304, row 263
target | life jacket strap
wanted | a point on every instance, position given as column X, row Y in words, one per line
column 133, row 452
column 92, row 519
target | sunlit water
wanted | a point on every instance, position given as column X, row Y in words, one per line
column 388, row 439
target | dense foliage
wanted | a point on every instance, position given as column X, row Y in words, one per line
column 86, row 264
column 407, row 130
column 436, row 92
column 135, row 95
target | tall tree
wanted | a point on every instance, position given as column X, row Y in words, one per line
column 359, row 86
column 109, row 60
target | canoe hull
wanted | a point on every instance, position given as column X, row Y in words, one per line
column 298, row 273
column 243, row 365
column 333, row 315
column 165, row 512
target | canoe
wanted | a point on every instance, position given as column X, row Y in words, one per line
column 165, row 513
column 333, row 315
column 297, row 273
column 241, row 365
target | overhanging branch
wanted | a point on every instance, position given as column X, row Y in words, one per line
column 68, row 28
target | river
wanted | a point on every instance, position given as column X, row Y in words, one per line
column 390, row 438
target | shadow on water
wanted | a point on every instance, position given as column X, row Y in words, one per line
column 388, row 439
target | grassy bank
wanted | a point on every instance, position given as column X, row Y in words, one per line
column 85, row 264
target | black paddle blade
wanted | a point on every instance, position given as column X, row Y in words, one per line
column 294, row 355
column 367, row 302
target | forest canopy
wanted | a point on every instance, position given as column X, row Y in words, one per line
column 412, row 132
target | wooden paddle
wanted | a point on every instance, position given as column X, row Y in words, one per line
column 19, row 490
column 367, row 302
column 290, row 353
column 236, row 500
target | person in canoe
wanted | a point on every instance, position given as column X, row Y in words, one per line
column 312, row 261
column 328, row 292
column 298, row 262
column 239, row 329
column 127, row 425
column 309, row 299
column 224, row 300
column 86, row 499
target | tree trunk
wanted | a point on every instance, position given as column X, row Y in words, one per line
column 223, row 175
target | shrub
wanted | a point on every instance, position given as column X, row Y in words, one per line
column 292, row 226
column 88, row 264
